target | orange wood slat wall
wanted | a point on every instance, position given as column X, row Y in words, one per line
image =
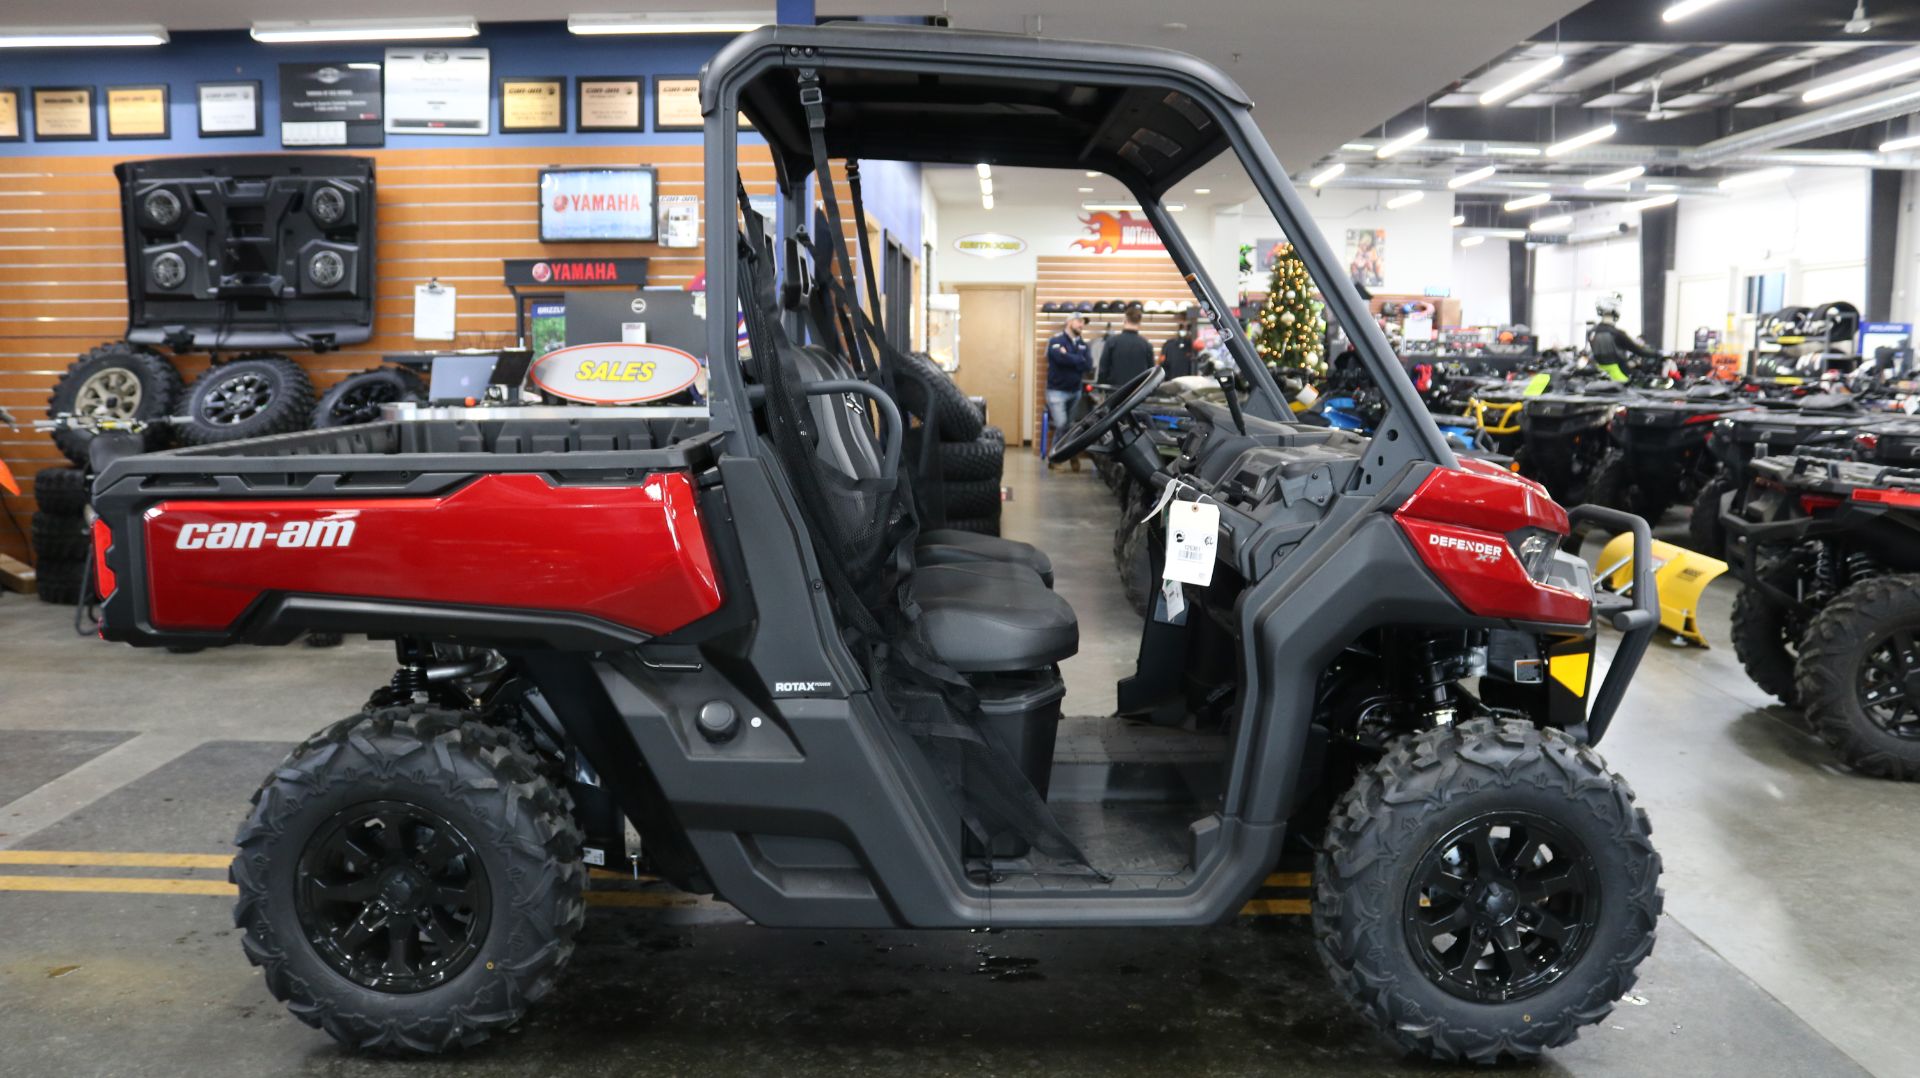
column 451, row 214
column 1074, row 278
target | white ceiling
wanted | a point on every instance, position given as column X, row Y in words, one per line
column 1320, row 71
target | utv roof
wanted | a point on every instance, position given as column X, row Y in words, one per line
column 1144, row 115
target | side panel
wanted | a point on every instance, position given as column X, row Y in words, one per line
column 634, row 555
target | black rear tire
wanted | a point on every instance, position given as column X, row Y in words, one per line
column 1402, row 817
column 1137, row 577
column 357, row 398
column 1858, row 656
column 60, row 537
column 926, row 391
column 250, row 397
column 116, row 380
column 1766, row 636
column 1704, row 529
column 60, row 490
column 520, row 864
column 58, row 582
column 982, row 458
column 973, row 498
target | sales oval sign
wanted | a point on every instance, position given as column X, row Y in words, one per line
column 614, row 373
column 989, row 245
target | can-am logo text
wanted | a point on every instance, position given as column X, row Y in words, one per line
column 253, row 534
column 1488, row 552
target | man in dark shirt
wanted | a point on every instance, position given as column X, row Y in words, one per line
column 1612, row 346
column 1069, row 359
column 1127, row 355
column 1176, row 356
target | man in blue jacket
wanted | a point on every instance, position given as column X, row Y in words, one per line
column 1069, row 359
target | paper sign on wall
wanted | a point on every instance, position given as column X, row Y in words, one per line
column 433, row 305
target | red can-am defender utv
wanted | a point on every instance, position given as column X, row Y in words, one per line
column 736, row 640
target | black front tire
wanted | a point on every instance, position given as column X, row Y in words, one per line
column 1704, row 529
column 1400, row 811
column 1766, row 635
column 250, row 397
column 487, row 788
column 1855, row 662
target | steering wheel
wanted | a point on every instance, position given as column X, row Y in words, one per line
column 1106, row 415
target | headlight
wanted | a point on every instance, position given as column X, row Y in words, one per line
column 1535, row 548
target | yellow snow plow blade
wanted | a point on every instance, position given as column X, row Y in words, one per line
column 1680, row 575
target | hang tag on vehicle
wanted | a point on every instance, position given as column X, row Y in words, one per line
column 1193, row 539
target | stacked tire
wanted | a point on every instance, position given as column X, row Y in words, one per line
column 969, row 457
column 61, row 543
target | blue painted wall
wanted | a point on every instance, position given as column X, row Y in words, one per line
column 525, row 49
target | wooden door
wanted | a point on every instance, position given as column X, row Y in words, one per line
column 993, row 351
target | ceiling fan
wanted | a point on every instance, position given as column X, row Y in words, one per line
column 1862, row 23
column 1655, row 112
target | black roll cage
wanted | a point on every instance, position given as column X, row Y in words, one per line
column 997, row 74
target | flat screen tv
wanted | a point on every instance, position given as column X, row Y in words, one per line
column 597, row 205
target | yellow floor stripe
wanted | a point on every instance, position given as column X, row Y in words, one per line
column 123, row 885
column 1277, row 907
column 114, row 859
column 1290, row 879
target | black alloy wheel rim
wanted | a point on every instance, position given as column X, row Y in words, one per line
column 361, row 403
column 393, row 897
column 238, row 399
column 1889, row 685
column 1502, row 907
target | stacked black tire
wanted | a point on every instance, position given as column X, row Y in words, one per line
column 61, row 543
column 962, row 472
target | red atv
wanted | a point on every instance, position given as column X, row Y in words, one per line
column 737, row 640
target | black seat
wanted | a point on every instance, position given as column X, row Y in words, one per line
column 987, row 617
column 951, row 546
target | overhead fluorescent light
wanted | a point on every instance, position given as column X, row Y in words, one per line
column 985, row 170
column 1556, row 223
column 1357, row 147
column 303, row 30
column 1527, row 202
column 1400, row 142
column 1111, row 207
column 1663, row 187
column 1091, row 172
column 1473, row 241
column 62, row 37
column 1541, row 184
column 1326, row 175
column 1653, row 203
column 1459, row 219
column 1685, row 8
column 1466, row 178
column 1203, row 190
column 1407, row 199
column 1086, row 190
column 986, row 201
column 1527, row 77
column 986, row 187
column 1870, row 77
column 684, row 22
column 1585, row 138
column 1905, row 142
column 1514, row 151
column 1755, row 178
column 1616, row 179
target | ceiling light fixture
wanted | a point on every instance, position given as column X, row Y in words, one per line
column 1357, row 147
column 1585, row 138
column 1514, row 151
column 1086, row 190
column 1203, row 190
column 668, row 22
column 1111, row 207
column 308, row 30
column 1091, row 172
column 1685, row 8
column 1616, row 179
column 1905, row 142
column 1556, row 223
column 1473, row 241
column 986, row 201
column 1531, row 75
column 1459, row 219
column 986, row 187
column 985, row 170
column 1407, row 199
column 1527, row 202
column 1466, row 178
column 1755, row 178
column 1400, row 142
column 60, row 37
column 1326, row 175
column 1653, row 203
column 1862, row 80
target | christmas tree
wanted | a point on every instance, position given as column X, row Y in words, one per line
column 1289, row 331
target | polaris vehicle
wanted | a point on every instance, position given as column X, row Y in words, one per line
column 1774, row 426
column 1659, row 452
column 738, row 642
column 1564, row 438
column 1828, row 551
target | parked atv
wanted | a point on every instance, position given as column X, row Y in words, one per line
column 1564, row 438
column 1829, row 553
column 739, row 643
column 1659, row 456
column 1776, row 426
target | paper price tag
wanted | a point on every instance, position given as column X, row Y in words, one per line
column 1193, row 541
